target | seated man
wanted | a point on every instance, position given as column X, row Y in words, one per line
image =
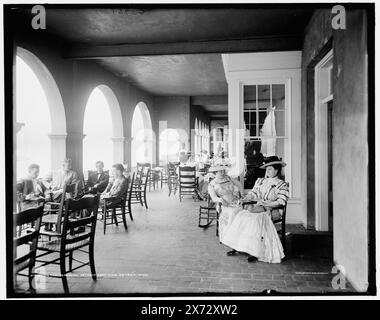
column 183, row 158
column 191, row 162
column 64, row 176
column 30, row 190
column 116, row 188
column 98, row 180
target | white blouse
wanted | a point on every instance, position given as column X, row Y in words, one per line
column 273, row 189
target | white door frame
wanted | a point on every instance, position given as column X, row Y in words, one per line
column 322, row 97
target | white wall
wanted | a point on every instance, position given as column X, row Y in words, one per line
column 264, row 68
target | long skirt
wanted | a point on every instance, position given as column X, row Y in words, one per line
column 226, row 216
column 254, row 233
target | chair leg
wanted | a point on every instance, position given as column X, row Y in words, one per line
column 30, row 278
column 92, row 261
column 124, row 219
column 63, row 272
column 141, row 199
column 146, row 204
column 217, row 224
column 114, row 216
column 283, row 237
column 70, row 261
column 104, row 220
column 130, row 210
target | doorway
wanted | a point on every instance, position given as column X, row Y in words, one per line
column 330, row 164
column 324, row 144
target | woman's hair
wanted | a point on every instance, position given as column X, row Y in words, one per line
column 118, row 166
column 277, row 167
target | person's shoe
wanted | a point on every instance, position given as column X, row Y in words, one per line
column 231, row 253
column 252, row 259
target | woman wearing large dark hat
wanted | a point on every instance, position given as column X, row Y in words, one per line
column 252, row 230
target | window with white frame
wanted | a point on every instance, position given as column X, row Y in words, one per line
column 196, row 144
column 207, row 139
column 201, row 137
column 265, row 127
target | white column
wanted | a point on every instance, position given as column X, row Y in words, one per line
column 127, row 145
column 148, row 150
column 58, row 150
column 118, row 149
column 153, row 149
column 225, row 139
column 162, row 143
column 235, row 126
column 214, row 140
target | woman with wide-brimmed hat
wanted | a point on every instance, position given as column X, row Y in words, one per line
column 252, row 230
column 226, row 193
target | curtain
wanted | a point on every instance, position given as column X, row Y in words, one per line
column 268, row 130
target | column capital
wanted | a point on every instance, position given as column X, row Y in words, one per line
column 76, row 135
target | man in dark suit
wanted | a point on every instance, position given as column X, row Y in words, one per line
column 98, row 180
column 30, row 191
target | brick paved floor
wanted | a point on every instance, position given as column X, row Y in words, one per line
column 164, row 251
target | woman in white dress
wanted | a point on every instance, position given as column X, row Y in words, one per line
column 252, row 230
column 225, row 193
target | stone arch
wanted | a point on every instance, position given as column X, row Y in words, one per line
column 58, row 131
column 117, row 121
column 145, row 134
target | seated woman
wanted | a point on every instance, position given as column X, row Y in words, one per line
column 252, row 231
column 30, row 190
column 116, row 188
column 203, row 183
column 225, row 192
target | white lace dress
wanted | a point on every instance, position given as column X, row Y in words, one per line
column 254, row 232
column 229, row 191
